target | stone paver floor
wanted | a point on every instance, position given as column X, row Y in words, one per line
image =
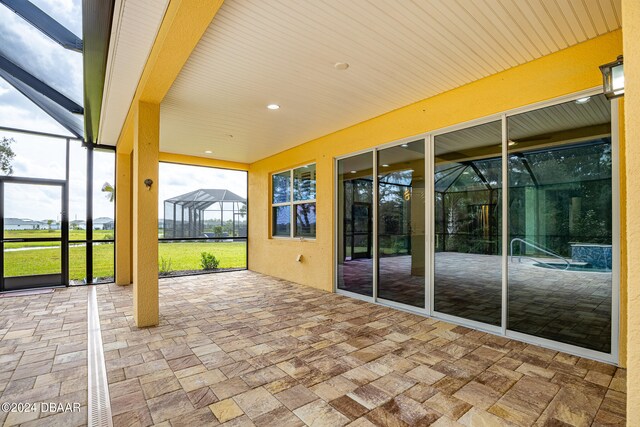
column 242, row 349
column 573, row 307
column 43, row 358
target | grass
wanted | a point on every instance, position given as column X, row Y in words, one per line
column 183, row 256
column 73, row 235
column 186, row 256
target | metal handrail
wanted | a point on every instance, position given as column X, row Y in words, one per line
column 541, row 249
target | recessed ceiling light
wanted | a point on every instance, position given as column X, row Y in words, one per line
column 512, row 143
column 208, row 152
column 583, row 100
column 273, row 106
column 385, row 165
column 354, row 171
column 404, row 145
column 341, row 66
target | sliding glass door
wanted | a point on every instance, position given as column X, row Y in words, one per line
column 401, row 224
column 521, row 226
column 468, row 222
column 560, row 223
column 355, row 224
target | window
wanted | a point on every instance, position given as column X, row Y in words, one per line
column 293, row 203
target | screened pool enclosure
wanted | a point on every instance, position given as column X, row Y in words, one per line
column 205, row 213
column 559, row 198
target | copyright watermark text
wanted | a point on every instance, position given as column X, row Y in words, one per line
column 51, row 407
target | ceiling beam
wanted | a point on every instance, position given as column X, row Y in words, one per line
column 36, row 84
column 70, row 121
column 46, row 24
column 184, row 24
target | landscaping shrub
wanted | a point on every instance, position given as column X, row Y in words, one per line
column 209, row 261
column 165, row 267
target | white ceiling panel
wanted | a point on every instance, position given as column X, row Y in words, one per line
column 283, row 51
column 134, row 28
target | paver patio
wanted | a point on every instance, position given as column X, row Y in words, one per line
column 247, row 349
column 242, row 348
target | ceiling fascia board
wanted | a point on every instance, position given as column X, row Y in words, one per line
column 183, row 25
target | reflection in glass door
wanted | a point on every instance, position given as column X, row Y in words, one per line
column 523, row 224
column 401, row 224
column 355, row 224
column 560, row 223
column 467, row 223
column 35, row 235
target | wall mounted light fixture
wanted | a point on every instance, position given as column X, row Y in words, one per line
column 613, row 78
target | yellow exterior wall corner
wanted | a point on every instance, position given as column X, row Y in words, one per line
column 623, row 237
column 631, row 22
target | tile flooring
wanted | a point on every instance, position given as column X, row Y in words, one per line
column 43, row 357
column 573, row 307
column 243, row 349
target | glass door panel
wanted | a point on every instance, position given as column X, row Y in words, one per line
column 355, row 224
column 32, row 237
column 467, row 215
column 401, row 224
column 32, row 211
column 560, row 223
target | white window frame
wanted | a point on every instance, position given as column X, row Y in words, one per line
column 292, row 204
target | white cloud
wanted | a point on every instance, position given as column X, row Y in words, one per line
column 50, row 62
column 176, row 180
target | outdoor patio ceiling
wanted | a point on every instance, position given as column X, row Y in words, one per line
column 284, row 52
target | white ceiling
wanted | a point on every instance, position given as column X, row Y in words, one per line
column 283, row 51
column 134, row 28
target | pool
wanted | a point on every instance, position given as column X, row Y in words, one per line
column 585, row 268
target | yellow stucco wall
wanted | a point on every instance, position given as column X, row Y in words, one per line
column 202, row 161
column 558, row 74
column 123, row 223
column 622, row 347
column 631, row 22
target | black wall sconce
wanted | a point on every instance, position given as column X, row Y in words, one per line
column 613, row 78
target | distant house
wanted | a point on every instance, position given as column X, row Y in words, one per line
column 24, row 224
column 103, row 223
column 77, row 224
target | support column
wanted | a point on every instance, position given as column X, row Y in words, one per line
column 145, row 213
column 631, row 49
column 123, row 218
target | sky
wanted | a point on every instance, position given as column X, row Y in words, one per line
column 44, row 157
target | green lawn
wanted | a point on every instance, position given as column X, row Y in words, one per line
column 73, row 235
column 183, row 256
